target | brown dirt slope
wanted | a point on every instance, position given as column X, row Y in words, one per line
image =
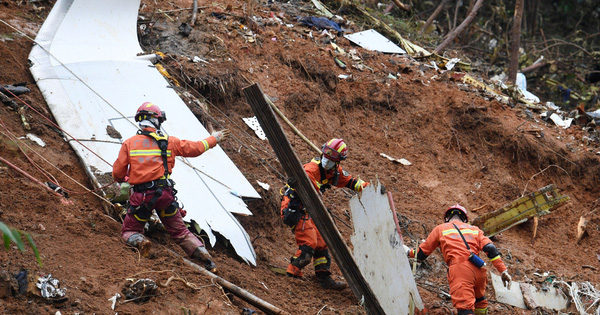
column 464, row 148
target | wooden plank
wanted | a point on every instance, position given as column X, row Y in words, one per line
column 324, row 222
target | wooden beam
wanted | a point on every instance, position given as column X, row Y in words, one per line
column 263, row 305
column 314, row 205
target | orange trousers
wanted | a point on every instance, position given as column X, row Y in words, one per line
column 467, row 286
column 306, row 233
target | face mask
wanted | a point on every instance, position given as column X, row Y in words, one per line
column 327, row 164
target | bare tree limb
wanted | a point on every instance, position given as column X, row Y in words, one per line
column 533, row 67
column 405, row 7
column 194, row 12
column 515, row 42
column 435, row 13
column 460, row 28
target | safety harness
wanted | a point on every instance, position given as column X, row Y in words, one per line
column 165, row 180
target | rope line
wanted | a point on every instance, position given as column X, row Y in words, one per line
column 14, row 138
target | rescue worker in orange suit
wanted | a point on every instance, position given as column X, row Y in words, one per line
column 323, row 172
column 145, row 161
column 467, row 276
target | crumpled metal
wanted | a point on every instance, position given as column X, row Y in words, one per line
column 141, row 290
column 49, row 287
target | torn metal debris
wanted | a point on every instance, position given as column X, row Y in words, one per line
column 140, row 291
column 395, row 160
column 534, row 204
column 50, row 289
column 254, row 125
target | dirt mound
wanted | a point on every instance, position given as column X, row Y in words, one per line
column 463, row 148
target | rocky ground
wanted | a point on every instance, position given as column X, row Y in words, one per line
column 464, row 148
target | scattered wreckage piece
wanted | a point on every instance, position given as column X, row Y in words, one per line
column 51, row 290
column 139, row 291
column 584, row 295
column 378, row 251
column 527, row 296
column 91, row 80
column 323, row 220
column 16, row 89
column 372, row 40
column 443, row 61
column 254, row 125
column 468, row 79
column 395, row 160
column 536, row 203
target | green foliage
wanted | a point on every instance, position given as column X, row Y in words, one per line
column 14, row 236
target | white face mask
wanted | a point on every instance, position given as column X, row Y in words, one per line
column 327, row 164
column 152, row 122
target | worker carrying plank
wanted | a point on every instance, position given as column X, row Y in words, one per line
column 460, row 244
column 145, row 161
column 324, row 172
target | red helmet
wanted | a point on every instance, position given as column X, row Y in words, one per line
column 454, row 210
column 335, row 150
column 149, row 109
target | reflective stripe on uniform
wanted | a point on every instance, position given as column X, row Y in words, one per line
column 463, row 231
column 320, row 261
column 155, row 152
column 358, row 185
column 206, row 146
column 495, row 258
column 163, row 214
column 139, row 219
column 481, row 311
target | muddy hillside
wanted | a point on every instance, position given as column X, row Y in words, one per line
column 465, row 147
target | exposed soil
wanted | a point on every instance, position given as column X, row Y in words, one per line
column 463, row 147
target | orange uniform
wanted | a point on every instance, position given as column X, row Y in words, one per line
column 467, row 282
column 308, row 238
column 140, row 158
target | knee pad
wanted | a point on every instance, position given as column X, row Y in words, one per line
column 140, row 213
column 170, row 211
column 306, row 254
column 322, row 260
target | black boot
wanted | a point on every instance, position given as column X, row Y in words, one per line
column 202, row 255
column 328, row 283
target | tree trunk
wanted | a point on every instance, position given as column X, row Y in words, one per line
column 532, row 12
column 435, row 13
column 515, row 43
column 460, row 28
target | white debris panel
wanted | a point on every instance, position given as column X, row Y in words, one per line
column 87, row 66
column 523, row 294
column 379, row 254
column 372, row 40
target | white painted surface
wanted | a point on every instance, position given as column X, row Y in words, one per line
column 552, row 298
column 85, row 64
column 379, row 253
column 372, row 40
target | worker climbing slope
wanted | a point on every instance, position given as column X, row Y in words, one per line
column 324, row 172
column 460, row 244
column 145, row 161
